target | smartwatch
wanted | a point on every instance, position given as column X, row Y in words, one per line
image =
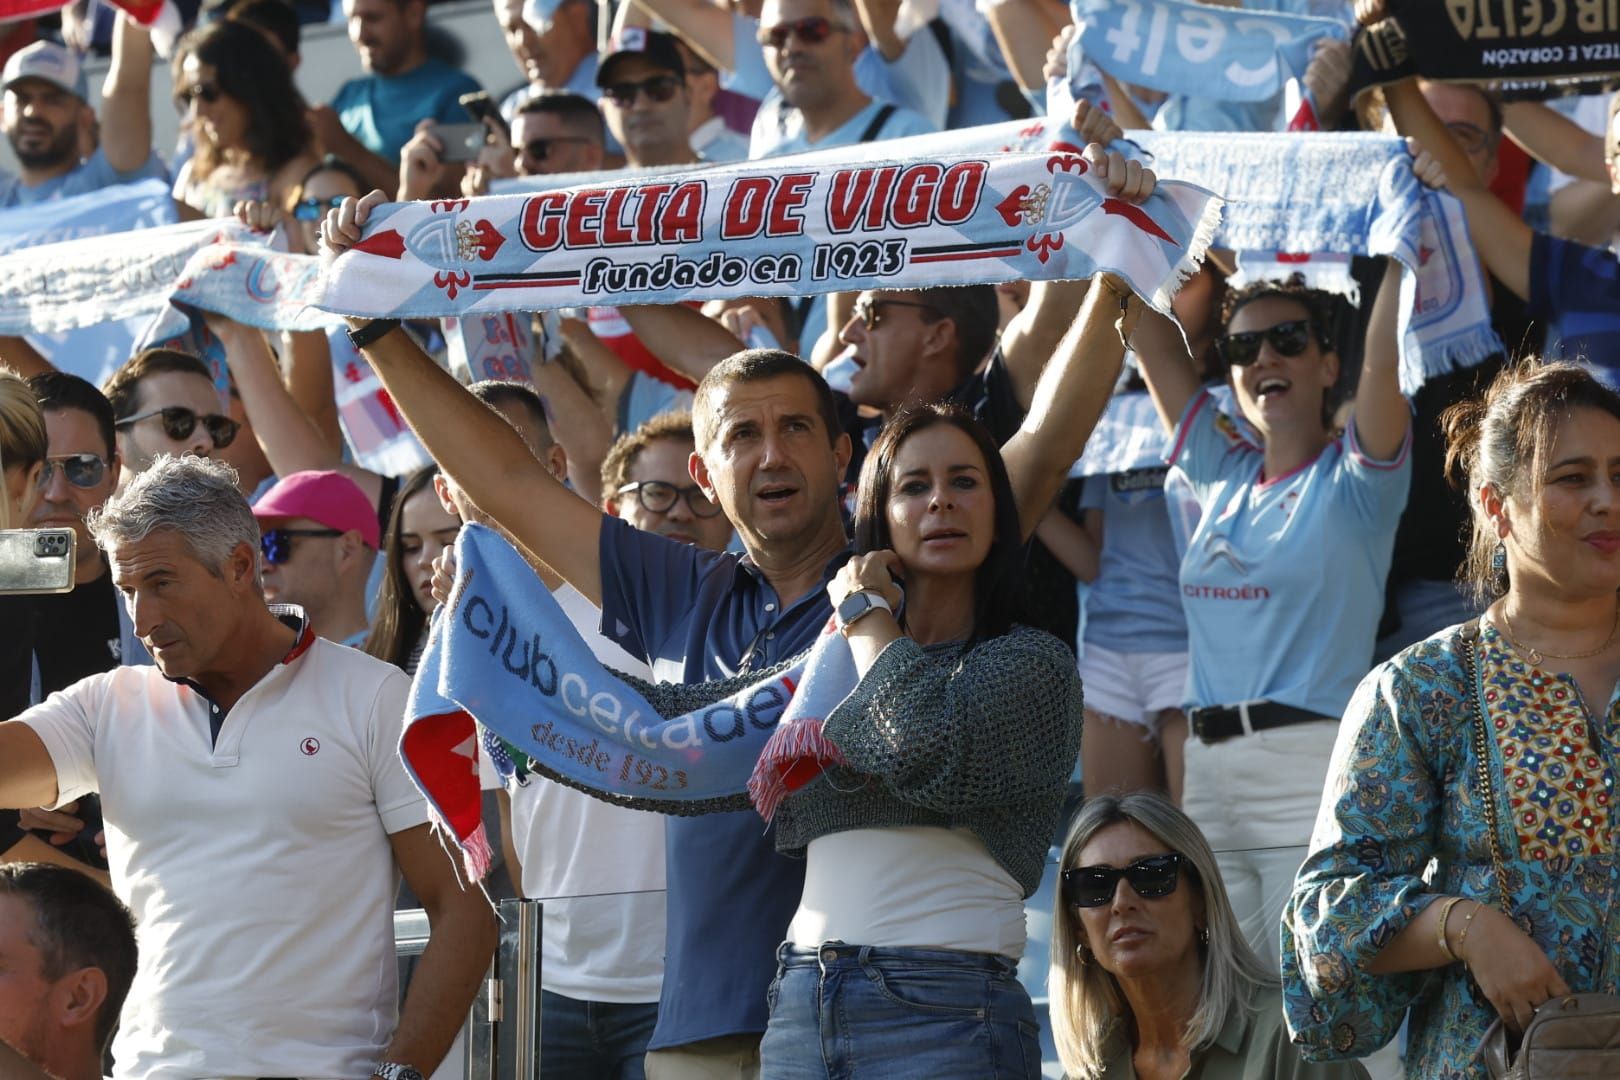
column 858, row 605
column 367, row 334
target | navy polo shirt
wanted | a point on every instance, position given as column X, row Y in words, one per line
column 696, row 615
column 1577, row 290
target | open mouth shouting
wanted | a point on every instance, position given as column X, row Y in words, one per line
column 1271, row 386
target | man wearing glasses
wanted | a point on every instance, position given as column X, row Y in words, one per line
column 645, row 100
column 165, row 403
column 320, row 538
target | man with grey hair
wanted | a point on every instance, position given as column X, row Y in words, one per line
column 257, row 813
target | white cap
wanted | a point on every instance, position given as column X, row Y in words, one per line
column 49, row 61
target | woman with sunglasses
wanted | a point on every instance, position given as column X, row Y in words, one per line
column 419, row 528
column 1151, row 976
column 1282, row 582
column 1464, row 862
column 247, row 118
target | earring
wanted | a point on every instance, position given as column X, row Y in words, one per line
column 1499, row 574
column 1203, row 935
column 1082, row 953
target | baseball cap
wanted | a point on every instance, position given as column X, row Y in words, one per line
column 659, row 48
column 51, row 62
column 326, row 497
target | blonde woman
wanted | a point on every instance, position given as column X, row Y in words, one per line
column 1151, row 976
column 22, row 448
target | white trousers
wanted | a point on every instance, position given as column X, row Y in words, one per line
column 1256, row 797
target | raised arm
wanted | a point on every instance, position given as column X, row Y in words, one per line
column 1166, row 366
column 1554, row 139
column 126, row 98
column 684, row 338
column 577, row 424
column 481, row 452
column 27, row 775
column 1500, row 236
column 1382, row 415
column 877, row 19
column 1033, row 335
column 705, row 26
column 1024, row 29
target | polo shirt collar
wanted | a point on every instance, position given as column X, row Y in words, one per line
column 747, row 570
column 293, row 618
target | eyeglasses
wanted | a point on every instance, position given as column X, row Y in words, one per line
column 1471, row 137
column 81, row 470
column 207, row 93
column 870, row 311
column 179, row 422
column 658, row 497
column 659, row 88
column 811, row 31
column 313, row 209
column 276, row 544
column 540, row 149
column 1288, row 338
column 1094, row 886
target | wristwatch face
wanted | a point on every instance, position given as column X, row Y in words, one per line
column 391, row 1071
column 853, row 606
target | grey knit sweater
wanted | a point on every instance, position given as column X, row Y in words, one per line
column 984, row 740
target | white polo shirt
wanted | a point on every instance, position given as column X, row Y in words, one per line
column 258, row 869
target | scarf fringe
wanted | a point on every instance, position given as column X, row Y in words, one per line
column 795, row 755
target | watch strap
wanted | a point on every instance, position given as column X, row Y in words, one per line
column 367, row 334
column 874, row 601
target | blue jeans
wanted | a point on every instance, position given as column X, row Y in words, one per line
column 593, row 1040
column 854, row 1012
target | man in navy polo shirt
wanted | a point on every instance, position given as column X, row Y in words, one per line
column 771, row 452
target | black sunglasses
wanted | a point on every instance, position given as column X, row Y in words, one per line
column 276, row 544
column 1093, row 886
column 1289, row 339
column 870, row 312
column 81, row 470
column 179, row 422
column 659, row 498
column 811, row 31
column 540, row 149
column 659, row 88
column 207, row 93
column 313, row 209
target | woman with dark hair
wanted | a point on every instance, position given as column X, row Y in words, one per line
column 419, row 528
column 958, row 743
column 247, row 117
column 1464, row 863
column 1282, row 582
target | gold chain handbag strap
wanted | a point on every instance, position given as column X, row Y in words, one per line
column 1482, row 764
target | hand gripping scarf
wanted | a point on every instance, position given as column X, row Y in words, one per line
column 503, row 653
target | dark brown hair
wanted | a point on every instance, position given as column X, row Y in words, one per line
column 248, row 69
column 1502, row 439
column 997, row 585
column 757, row 365
column 400, row 620
column 622, row 456
column 123, row 389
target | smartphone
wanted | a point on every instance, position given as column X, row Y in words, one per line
column 461, row 142
column 36, row 560
column 481, row 107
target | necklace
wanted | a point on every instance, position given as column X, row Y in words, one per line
column 1536, row 656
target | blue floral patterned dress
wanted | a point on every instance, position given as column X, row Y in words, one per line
column 1402, row 823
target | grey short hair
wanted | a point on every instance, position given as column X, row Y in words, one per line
column 1086, row 1001
column 193, row 496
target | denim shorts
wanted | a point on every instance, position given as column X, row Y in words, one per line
column 855, row 1012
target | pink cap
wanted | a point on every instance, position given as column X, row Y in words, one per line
column 327, row 497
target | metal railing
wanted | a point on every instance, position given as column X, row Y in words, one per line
column 501, row 1039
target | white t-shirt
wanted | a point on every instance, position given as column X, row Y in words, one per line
column 258, row 868
column 597, row 869
column 909, row 887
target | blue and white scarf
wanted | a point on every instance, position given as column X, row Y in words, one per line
column 769, row 230
column 1196, row 50
column 503, row 653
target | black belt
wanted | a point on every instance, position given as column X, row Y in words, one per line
column 1217, row 722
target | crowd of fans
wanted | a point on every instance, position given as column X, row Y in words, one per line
column 1316, row 713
